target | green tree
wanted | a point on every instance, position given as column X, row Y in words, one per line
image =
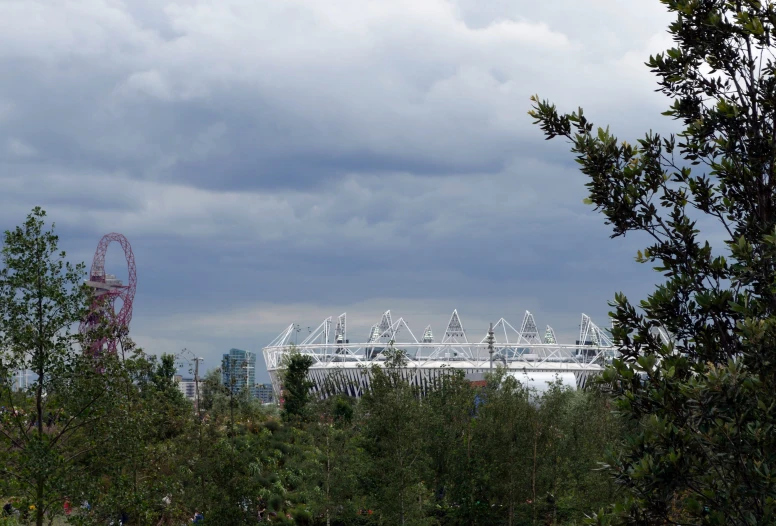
column 251, row 464
column 701, row 406
column 46, row 431
column 139, row 465
column 392, row 437
column 296, row 386
column 504, row 436
column 572, row 431
column 332, row 474
column 448, row 429
column 211, row 388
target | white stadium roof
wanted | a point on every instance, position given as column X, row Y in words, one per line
column 337, row 360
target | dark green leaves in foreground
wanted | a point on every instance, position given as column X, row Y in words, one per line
column 704, row 201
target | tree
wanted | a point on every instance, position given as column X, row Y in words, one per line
column 45, row 431
column 249, row 463
column 392, row 439
column 296, row 386
column 701, row 405
column 505, row 439
column 333, row 464
column 448, row 426
column 571, row 433
column 138, row 471
column 212, row 386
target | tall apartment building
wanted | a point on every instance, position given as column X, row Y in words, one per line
column 238, row 370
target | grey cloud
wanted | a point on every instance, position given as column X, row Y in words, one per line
column 270, row 156
column 284, row 94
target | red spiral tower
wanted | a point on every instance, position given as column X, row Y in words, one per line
column 107, row 289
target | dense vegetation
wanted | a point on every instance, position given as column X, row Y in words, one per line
column 100, row 438
column 493, row 455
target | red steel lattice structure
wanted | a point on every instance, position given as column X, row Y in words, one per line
column 103, row 313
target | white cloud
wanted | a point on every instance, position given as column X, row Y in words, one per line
column 16, row 148
column 405, row 79
column 149, row 83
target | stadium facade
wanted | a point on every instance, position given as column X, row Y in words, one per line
column 533, row 357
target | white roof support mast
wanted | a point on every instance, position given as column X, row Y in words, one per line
column 341, row 330
column 529, row 332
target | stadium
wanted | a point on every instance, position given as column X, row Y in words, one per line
column 341, row 366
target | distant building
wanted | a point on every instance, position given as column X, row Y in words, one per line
column 188, row 387
column 238, row 370
column 20, row 380
column 264, row 393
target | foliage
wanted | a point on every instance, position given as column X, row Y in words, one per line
column 394, row 457
column 296, row 386
column 393, row 441
column 211, row 387
column 701, row 407
column 45, row 430
column 152, row 415
column 121, row 443
column 338, row 464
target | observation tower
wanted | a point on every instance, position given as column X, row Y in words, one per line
column 104, row 325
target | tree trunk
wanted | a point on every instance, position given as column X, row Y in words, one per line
column 328, row 477
column 39, row 501
column 533, row 477
column 40, row 369
column 554, row 494
column 401, row 500
column 401, row 492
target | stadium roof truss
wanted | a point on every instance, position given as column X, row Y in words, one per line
column 522, row 349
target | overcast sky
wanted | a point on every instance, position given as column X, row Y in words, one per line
column 281, row 161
